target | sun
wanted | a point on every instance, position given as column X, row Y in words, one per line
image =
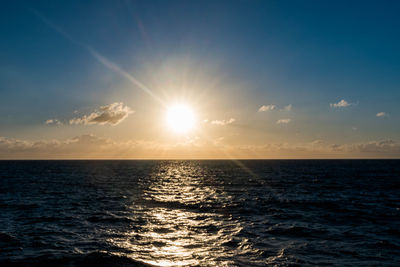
column 180, row 118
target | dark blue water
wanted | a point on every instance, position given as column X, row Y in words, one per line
column 207, row 213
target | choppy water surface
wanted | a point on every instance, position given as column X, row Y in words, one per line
column 189, row 213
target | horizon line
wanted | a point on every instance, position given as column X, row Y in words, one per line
column 189, row 159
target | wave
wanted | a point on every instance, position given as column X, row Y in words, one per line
column 8, row 238
column 296, row 231
column 109, row 219
column 91, row 259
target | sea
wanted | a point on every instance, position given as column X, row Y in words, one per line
column 200, row 213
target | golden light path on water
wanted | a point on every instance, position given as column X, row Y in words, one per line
column 183, row 220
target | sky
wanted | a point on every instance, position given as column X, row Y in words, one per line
column 260, row 79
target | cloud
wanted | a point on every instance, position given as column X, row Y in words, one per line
column 266, row 108
column 323, row 149
column 111, row 114
column 223, row 122
column 53, row 122
column 283, row 121
column 288, row 107
column 341, row 104
column 89, row 146
column 218, row 141
column 382, row 114
column 382, row 146
column 82, row 146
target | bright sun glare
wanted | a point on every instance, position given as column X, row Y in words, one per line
column 180, row 118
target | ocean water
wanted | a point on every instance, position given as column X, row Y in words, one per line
column 200, row 213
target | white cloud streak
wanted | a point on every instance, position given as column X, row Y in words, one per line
column 271, row 107
column 341, row 104
column 288, row 107
column 283, row 121
column 111, row 114
column 53, row 122
column 381, row 114
column 223, row 122
column 264, row 108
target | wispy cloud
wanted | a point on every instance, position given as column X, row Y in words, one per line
column 110, row 114
column 271, row 107
column 288, row 107
column 223, row 122
column 53, row 122
column 91, row 146
column 341, row 104
column 283, row 121
column 264, row 108
column 382, row 114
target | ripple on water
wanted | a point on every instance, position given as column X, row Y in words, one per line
column 215, row 213
column 187, row 223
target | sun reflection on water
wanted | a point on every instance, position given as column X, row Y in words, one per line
column 182, row 219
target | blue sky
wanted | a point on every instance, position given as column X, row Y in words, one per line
column 232, row 57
